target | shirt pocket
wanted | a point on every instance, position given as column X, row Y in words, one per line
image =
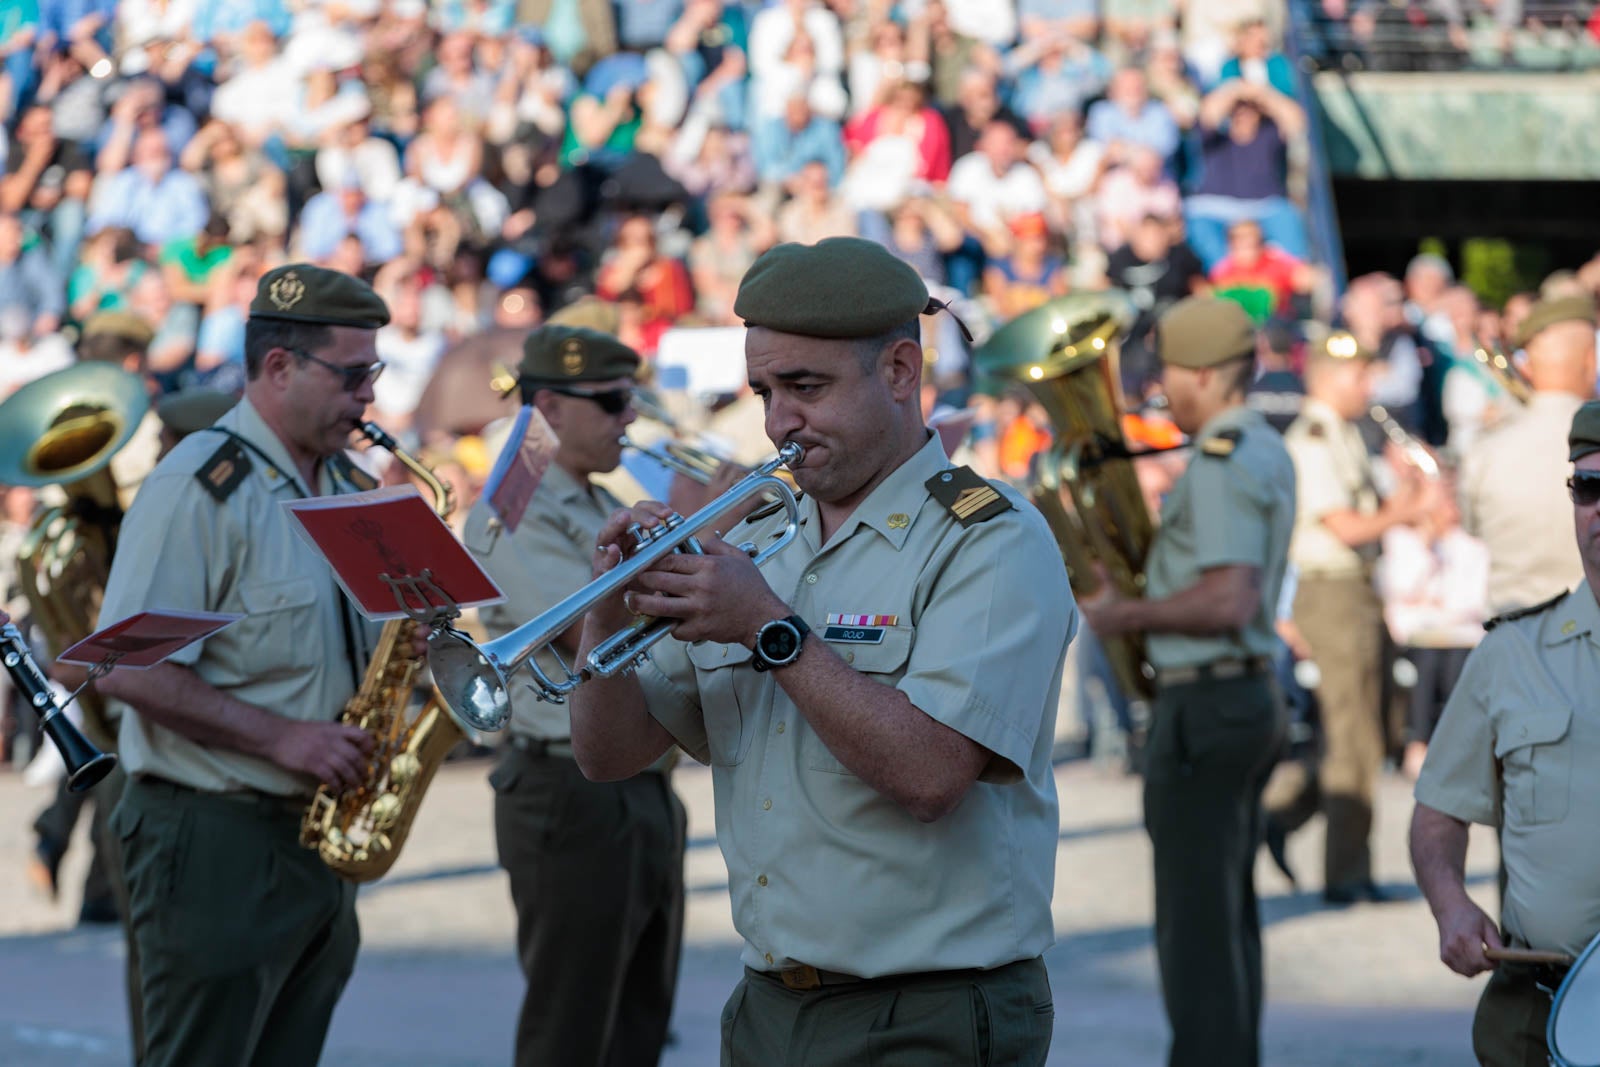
column 882, row 661
column 726, row 714
column 1536, row 763
column 279, row 632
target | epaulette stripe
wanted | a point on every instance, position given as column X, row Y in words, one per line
column 1523, row 613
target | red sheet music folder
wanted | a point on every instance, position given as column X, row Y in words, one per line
column 375, row 539
column 527, row 454
column 141, row 641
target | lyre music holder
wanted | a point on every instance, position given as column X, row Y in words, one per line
column 437, row 607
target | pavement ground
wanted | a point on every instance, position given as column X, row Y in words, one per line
column 437, row 983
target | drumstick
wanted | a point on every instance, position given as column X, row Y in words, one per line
column 1527, row 955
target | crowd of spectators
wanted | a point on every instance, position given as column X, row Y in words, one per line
column 1412, row 35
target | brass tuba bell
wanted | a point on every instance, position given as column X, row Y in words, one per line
column 63, row 429
column 1066, row 353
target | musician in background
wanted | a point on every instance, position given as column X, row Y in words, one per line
column 245, row 938
column 596, row 869
column 1213, row 578
column 1511, row 480
column 1514, row 750
column 1339, row 521
column 877, row 703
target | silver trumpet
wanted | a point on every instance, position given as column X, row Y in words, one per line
column 696, row 464
column 1415, row 451
column 474, row 679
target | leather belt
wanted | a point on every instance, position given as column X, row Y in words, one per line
column 805, row 976
column 543, row 746
column 274, row 802
column 1216, row 671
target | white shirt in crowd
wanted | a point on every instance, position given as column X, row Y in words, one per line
column 991, row 199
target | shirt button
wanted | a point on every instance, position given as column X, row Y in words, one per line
column 769, row 957
column 811, row 579
column 849, row 657
column 780, row 727
column 766, row 805
column 762, row 881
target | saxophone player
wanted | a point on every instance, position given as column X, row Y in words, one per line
column 245, row 939
column 596, row 869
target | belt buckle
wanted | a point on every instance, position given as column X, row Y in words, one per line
column 801, row 978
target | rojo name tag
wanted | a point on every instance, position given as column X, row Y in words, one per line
column 854, row 635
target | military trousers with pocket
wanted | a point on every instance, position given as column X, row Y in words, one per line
column 1341, row 619
column 1212, row 744
column 1509, row 1027
column 245, row 938
column 997, row 1018
column 596, row 872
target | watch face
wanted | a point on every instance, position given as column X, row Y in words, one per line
column 780, row 643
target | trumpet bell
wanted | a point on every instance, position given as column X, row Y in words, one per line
column 470, row 679
column 66, row 426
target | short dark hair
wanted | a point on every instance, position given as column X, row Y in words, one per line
column 868, row 349
column 263, row 335
column 1243, row 369
column 107, row 348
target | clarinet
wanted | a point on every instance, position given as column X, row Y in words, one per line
column 86, row 765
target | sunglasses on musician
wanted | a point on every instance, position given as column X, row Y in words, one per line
column 1584, row 488
column 611, row 401
column 350, row 378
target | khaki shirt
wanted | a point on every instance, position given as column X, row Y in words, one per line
column 182, row 549
column 1332, row 473
column 823, row 869
column 550, row 556
column 1516, row 748
column 1231, row 509
column 1513, row 490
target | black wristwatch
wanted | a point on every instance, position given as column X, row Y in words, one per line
column 778, row 643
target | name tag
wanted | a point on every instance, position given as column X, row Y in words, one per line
column 857, row 635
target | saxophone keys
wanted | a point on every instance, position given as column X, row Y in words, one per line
column 403, row 769
column 385, row 811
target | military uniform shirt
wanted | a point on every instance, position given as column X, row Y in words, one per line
column 1514, row 498
column 1516, row 748
column 549, row 557
column 182, row 549
column 1332, row 473
column 1226, row 509
column 972, row 625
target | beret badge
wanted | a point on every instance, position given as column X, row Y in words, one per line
column 286, row 291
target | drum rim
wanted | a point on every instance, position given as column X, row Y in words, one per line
column 1555, row 1006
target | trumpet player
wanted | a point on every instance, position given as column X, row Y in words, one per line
column 245, row 939
column 877, row 703
column 1214, row 576
column 1339, row 521
column 1511, row 480
column 596, row 869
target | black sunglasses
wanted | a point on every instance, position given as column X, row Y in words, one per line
column 611, row 401
column 1584, row 487
column 350, row 378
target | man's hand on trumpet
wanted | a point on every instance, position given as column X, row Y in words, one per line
column 719, row 596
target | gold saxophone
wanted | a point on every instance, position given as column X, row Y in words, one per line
column 1066, row 354
column 63, row 429
column 359, row 833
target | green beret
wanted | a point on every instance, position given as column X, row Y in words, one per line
column 589, row 311
column 189, row 410
column 1203, row 331
column 1584, row 437
column 1341, row 345
column 841, row 287
column 300, row 292
column 1549, row 312
column 575, row 354
column 126, row 325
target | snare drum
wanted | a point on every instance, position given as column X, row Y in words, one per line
column 1574, row 1031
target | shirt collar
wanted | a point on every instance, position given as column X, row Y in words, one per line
column 1318, row 411
column 891, row 509
column 247, row 422
column 561, row 485
column 1574, row 617
column 1237, row 417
